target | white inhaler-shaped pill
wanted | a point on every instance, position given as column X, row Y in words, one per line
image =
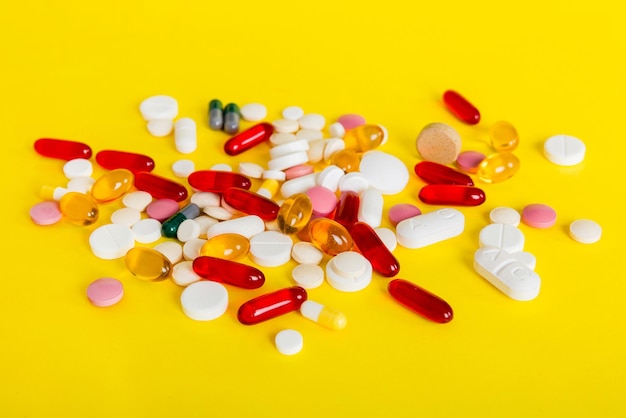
column 430, row 228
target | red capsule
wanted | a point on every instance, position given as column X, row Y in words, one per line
column 62, row 149
column 217, row 181
column 461, row 108
column 435, row 173
column 136, row 163
column 271, row 305
column 347, row 212
column 160, row 187
column 229, row 272
column 374, row 249
column 249, row 138
column 451, row 194
column 251, row 203
column 420, row 301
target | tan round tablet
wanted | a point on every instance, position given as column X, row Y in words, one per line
column 439, row 142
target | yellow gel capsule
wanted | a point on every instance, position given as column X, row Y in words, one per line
column 294, row 213
column 112, row 185
column 227, row 246
column 79, row 208
column 148, row 264
column 504, row 136
column 330, row 236
column 364, row 137
column 346, row 159
column 498, row 167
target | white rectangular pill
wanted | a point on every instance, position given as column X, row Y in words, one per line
column 430, row 228
column 248, row 226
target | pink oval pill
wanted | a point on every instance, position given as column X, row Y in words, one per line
column 46, row 213
column 161, row 209
column 105, row 291
column 298, row 171
column 323, row 200
column 350, row 120
column 469, row 161
column 402, row 211
column 538, row 215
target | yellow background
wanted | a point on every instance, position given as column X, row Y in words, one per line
column 78, row 70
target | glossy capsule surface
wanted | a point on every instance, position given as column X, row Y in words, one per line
column 147, row 264
column 229, row 272
column 498, row 167
column 461, row 107
column 420, row 301
column 294, row 213
column 271, row 305
column 374, row 249
column 216, row 115
column 249, row 138
column 232, row 116
column 79, row 208
column 323, row 315
column 364, row 137
column 347, row 211
column 329, row 236
column 503, row 136
column 160, row 187
column 346, row 159
column 111, row 159
column 112, row 185
column 229, row 246
column 251, row 203
column 451, row 194
column 435, row 173
column 217, row 181
column 169, row 228
column 62, row 149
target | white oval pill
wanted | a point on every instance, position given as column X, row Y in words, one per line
column 173, row 251
column 384, row 172
column 188, row 230
column 298, row 185
column 270, row 248
column 111, row 241
column 289, row 147
column 279, row 138
column 78, row 167
column 252, row 170
column 126, row 216
column 191, row 249
column 564, row 150
column 253, row 112
column 504, row 236
column 286, row 126
column 204, row 300
column 292, row 112
column 308, row 276
column 306, row 253
column 309, row 134
column 349, row 271
column 505, row 215
column 204, row 199
column 313, row 121
column 221, row 167
column 289, row 342
column 183, row 168
column 247, row 226
column 159, row 107
column 137, row 200
column 585, row 231
column 218, row 212
column 183, row 274
column 287, row 161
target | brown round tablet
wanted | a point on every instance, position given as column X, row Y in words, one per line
column 439, row 142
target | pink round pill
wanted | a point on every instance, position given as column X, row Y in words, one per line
column 46, row 213
column 105, row 291
column 161, row 209
column 298, row 171
column 402, row 211
column 538, row 215
column 349, row 121
column 323, row 200
column 469, row 161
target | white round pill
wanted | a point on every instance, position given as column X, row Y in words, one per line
column 221, row 167
column 332, row 145
column 564, row 150
column 306, row 253
column 126, row 216
column 388, row 237
column 173, row 251
column 270, row 248
column 349, row 271
column 252, row 170
column 353, row 182
column 312, row 121
column 191, row 249
column 505, row 215
column 329, row 177
column 316, row 150
column 183, row 168
column 289, row 147
column 204, row 199
column 585, row 231
column 159, row 107
column 137, row 200
column 188, row 230
column 183, row 274
column 160, row 127
column 286, row 126
column 253, row 112
column 289, row 342
column 147, row 230
column 111, row 241
column 204, row 300
column 279, row 138
column 308, row 276
column 309, row 134
column 336, row 130
column 78, row 167
column 292, row 112
column 218, row 212
column 503, row 236
column 384, row 172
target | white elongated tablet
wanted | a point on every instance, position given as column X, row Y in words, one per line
column 298, row 185
column 371, row 208
column 502, row 270
column 289, row 342
column 183, row 273
column 247, row 226
column 349, row 271
column 111, row 241
column 564, row 150
column 252, row 170
column 289, row 160
column 270, row 248
column 289, row 147
column 204, row 300
column 504, row 236
column 430, row 228
column 384, row 172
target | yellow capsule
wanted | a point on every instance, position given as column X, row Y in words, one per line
column 148, row 264
column 504, row 136
column 294, row 213
column 324, row 316
column 112, row 185
column 269, row 188
column 228, row 246
column 330, row 236
column 364, row 138
column 79, row 208
column 498, row 167
column 346, row 159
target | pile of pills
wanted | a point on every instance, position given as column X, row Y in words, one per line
column 319, row 203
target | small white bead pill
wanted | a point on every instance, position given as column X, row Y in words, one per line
column 137, row 200
column 308, row 276
column 564, row 150
column 253, row 112
column 585, row 231
column 78, row 167
column 503, row 236
column 183, row 168
column 204, row 300
column 292, row 112
column 173, row 251
column 505, row 215
column 289, row 342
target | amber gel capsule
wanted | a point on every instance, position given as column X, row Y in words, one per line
column 228, row 246
column 504, row 136
column 111, row 160
column 271, row 305
column 329, row 236
column 294, row 213
column 364, row 137
column 249, row 138
column 498, row 167
column 79, row 208
column 148, row 264
column 420, row 301
column 62, row 149
column 229, row 272
column 112, row 185
column 461, row 108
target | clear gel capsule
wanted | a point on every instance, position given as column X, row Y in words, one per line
column 324, row 316
column 329, row 236
column 147, row 264
column 160, row 187
column 452, row 194
column 217, row 181
column 346, row 159
column 229, row 246
column 461, row 108
column 216, row 115
column 294, row 213
column 271, row 305
column 435, row 173
column 229, row 272
column 111, row 160
column 347, row 211
column 62, row 149
column 364, row 137
column 504, row 137
column 251, row 203
column 420, row 301
column 231, row 118
column 79, row 208
column 249, row 138
column 170, row 226
column 112, row 185
column 374, row 249
column 498, row 167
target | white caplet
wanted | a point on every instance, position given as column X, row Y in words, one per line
column 298, row 185
column 429, row 228
column 248, row 226
column 252, row 170
column 204, row 199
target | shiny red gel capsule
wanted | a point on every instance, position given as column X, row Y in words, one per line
column 435, row 173
column 111, row 160
column 420, row 301
column 251, row 203
column 347, row 211
column 271, row 305
column 160, row 187
column 374, row 249
column 217, row 181
column 461, row 108
column 451, row 194
column 62, row 149
column 229, row 272
column 249, row 138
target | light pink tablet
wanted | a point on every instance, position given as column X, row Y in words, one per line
column 402, row 211
column 46, row 213
column 162, row 209
column 323, row 200
column 105, row 291
column 298, row 171
column 468, row 161
column 538, row 215
column 350, row 121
